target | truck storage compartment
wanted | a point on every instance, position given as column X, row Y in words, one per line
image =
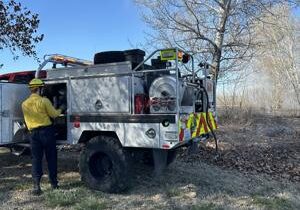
column 109, row 95
column 57, row 94
column 11, row 116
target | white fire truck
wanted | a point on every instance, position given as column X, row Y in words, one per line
column 121, row 107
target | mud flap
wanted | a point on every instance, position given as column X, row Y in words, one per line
column 160, row 160
column 193, row 148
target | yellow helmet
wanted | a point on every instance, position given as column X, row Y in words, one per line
column 34, row 83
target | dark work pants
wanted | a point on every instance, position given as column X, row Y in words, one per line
column 43, row 141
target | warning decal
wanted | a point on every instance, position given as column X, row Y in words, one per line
column 195, row 124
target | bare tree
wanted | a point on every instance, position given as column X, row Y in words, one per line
column 18, row 28
column 219, row 31
column 280, row 52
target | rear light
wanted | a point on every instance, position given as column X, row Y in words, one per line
column 76, row 122
column 140, row 104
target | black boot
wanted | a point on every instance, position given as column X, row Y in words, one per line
column 54, row 184
column 36, row 188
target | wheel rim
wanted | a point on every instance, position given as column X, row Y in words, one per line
column 100, row 165
column 19, row 150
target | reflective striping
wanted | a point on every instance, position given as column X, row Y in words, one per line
column 202, row 126
column 195, row 124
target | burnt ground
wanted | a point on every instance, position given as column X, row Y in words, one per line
column 259, row 168
column 264, row 145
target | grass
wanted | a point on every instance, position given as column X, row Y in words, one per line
column 23, row 186
column 76, row 198
column 173, row 192
column 62, row 198
column 206, row 206
column 73, row 184
column 272, row 203
column 92, row 203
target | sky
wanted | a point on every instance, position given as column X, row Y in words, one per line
column 80, row 29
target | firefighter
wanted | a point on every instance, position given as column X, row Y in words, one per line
column 38, row 112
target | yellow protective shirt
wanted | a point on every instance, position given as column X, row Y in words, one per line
column 37, row 111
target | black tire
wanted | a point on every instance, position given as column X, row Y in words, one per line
column 148, row 157
column 20, row 150
column 104, row 165
column 109, row 57
column 21, row 136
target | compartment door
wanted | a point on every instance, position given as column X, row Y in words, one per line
column 11, row 98
column 4, row 117
column 101, row 95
